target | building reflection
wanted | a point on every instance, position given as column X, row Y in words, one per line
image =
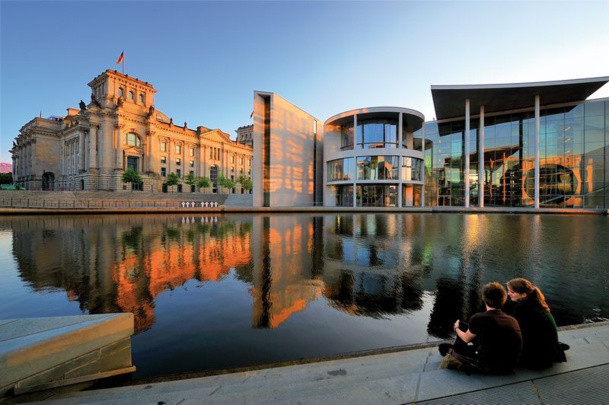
column 121, row 264
column 369, row 265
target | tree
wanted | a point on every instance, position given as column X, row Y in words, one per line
column 172, row 180
column 131, row 176
column 203, row 182
column 225, row 182
column 191, row 180
column 245, row 182
column 6, row 178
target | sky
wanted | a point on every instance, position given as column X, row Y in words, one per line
column 206, row 58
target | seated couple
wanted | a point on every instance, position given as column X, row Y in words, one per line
column 496, row 342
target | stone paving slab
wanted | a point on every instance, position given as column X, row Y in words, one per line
column 407, row 377
column 31, row 347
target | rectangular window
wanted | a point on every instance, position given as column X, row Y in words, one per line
column 178, row 149
column 192, row 163
column 232, row 158
column 192, row 151
column 346, row 139
column 338, row 170
column 163, row 160
column 179, row 172
column 377, row 167
column 163, row 172
column 178, row 162
column 241, row 160
column 132, row 162
column 163, row 146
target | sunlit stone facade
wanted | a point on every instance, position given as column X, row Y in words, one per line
column 91, row 147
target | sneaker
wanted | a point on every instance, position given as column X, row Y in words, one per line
column 564, row 346
column 444, row 348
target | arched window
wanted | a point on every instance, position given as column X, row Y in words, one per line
column 120, row 91
column 131, row 95
column 133, row 140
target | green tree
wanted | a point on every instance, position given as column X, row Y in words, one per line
column 225, row 182
column 172, row 179
column 131, row 176
column 6, row 178
column 191, row 180
column 245, row 182
column 203, row 182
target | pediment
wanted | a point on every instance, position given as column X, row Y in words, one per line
column 133, row 150
column 217, row 135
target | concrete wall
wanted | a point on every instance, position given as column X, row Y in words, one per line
column 288, row 150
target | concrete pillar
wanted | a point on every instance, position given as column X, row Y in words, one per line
column 481, row 178
column 537, row 142
column 423, row 170
column 355, row 159
column 466, row 153
column 400, row 130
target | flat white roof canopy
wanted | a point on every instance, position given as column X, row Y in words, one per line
column 449, row 101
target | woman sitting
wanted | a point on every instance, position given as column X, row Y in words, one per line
column 541, row 348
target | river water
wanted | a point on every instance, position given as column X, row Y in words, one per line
column 212, row 292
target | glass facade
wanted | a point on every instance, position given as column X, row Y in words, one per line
column 340, row 169
column 373, row 195
column 377, row 133
column 377, row 167
column 573, row 157
column 378, row 151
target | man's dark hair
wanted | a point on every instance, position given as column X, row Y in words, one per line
column 494, row 295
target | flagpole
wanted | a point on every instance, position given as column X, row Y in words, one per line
column 121, row 59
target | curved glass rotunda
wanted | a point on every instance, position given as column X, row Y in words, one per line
column 374, row 157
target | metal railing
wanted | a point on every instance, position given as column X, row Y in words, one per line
column 89, row 204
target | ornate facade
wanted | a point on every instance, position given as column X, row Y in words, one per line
column 91, row 147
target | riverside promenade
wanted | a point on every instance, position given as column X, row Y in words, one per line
column 406, row 376
column 137, row 202
column 396, row 376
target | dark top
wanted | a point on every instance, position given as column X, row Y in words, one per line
column 498, row 340
column 540, row 337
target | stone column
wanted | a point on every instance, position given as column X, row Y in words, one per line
column 118, row 164
column 81, row 150
column 93, row 134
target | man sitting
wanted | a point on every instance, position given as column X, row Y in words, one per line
column 490, row 343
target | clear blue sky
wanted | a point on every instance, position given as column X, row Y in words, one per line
column 207, row 58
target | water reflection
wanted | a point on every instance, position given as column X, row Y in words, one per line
column 226, row 291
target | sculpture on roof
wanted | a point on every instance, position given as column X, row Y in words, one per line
column 94, row 100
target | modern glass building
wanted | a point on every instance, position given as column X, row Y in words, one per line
column 519, row 145
column 531, row 145
column 373, row 158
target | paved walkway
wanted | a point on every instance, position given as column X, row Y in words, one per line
column 406, row 377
